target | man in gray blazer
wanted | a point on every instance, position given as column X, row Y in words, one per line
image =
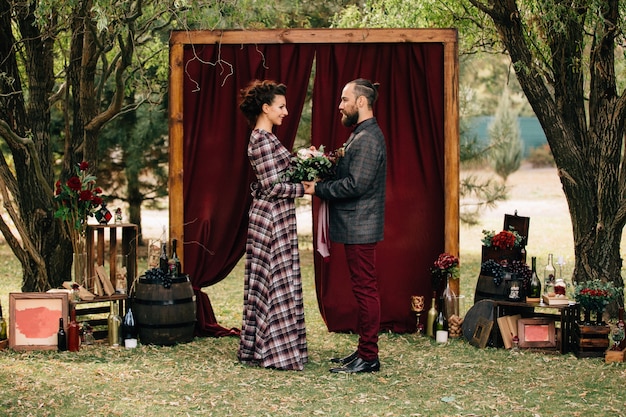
column 356, row 197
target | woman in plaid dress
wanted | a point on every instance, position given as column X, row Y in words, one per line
column 273, row 333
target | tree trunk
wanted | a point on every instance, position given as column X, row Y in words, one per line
column 587, row 146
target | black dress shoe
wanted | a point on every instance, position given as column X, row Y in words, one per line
column 358, row 366
column 345, row 360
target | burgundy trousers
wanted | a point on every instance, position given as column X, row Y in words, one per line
column 361, row 260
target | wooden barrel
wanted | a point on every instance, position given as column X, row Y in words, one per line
column 165, row 314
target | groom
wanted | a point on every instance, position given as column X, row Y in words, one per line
column 356, row 198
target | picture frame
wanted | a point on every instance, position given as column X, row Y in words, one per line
column 537, row 332
column 482, row 332
column 34, row 319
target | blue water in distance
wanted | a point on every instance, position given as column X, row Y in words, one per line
column 530, row 131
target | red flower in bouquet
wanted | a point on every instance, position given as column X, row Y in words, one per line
column 506, row 239
column 447, row 264
column 76, row 199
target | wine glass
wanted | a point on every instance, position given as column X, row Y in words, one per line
column 417, row 306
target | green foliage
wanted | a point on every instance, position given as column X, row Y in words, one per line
column 595, row 295
column 506, row 147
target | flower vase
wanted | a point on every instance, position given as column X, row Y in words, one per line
column 79, row 269
column 450, row 300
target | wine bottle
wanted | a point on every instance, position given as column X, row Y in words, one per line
column 535, row 284
column 73, row 333
column 61, row 337
column 114, row 322
column 3, row 325
column 431, row 317
column 174, row 261
column 441, row 325
column 163, row 260
column 549, row 275
column 129, row 329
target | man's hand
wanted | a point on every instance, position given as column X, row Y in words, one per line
column 309, row 187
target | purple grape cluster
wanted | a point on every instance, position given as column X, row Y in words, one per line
column 156, row 274
column 493, row 269
column 523, row 272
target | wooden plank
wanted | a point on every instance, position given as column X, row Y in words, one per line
column 273, row 36
column 176, row 169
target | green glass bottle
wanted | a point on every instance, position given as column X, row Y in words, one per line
column 3, row 326
column 535, row 283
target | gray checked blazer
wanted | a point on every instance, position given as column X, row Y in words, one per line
column 356, row 195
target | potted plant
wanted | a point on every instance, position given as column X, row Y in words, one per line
column 593, row 296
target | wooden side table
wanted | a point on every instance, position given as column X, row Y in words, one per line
column 566, row 315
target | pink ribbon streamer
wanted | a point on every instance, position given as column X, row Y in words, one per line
column 323, row 242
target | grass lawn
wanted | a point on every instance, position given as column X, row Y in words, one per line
column 417, row 378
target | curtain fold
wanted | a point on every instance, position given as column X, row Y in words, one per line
column 217, row 173
column 409, row 111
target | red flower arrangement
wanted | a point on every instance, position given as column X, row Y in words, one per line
column 76, row 199
column 506, row 239
column 447, row 264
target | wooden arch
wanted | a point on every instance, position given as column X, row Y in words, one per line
column 447, row 37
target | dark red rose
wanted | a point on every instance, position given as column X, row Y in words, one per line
column 97, row 190
column 74, row 183
column 83, row 166
column 96, row 200
column 85, row 195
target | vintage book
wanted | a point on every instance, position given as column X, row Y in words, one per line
column 555, row 300
column 82, row 291
column 505, row 332
column 508, row 329
column 513, row 323
column 106, row 282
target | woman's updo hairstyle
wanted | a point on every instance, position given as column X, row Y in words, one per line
column 255, row 95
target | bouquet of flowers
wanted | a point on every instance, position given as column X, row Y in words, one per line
column 594, row 295
column 76, row 199
column 506, row 239
column 309, row 164
column 446, row 264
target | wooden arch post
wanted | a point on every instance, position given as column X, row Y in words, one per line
column 447, row 37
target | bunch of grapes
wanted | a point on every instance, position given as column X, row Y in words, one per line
column 493, row 269
column 156, row 274
column 522, row 271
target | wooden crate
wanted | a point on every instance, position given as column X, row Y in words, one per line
column 590, row 341
column 614, row 356
column 102, row 250
column 96, row 312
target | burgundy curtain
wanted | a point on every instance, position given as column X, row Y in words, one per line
column 217, row 173
column 410, row 112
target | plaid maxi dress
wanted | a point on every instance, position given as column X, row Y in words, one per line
column 273, row 332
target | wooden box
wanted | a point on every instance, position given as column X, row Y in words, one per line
column 590, row 341
column 519, row 223
column 102, row 251
column 614, row 356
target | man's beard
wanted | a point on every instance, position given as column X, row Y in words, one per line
column 350, row 120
